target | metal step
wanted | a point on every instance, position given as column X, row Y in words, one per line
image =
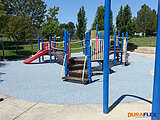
column 78, row 73
column 76, row 80
column 77, row 60
column 76, row 67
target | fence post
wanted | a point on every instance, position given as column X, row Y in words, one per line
column 39, row 48
column 156, row 87
column 42, row 49
column 115, row 35
column 89, row 58
column 122, row 47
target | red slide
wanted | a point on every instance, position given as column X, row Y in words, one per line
column 37, row 55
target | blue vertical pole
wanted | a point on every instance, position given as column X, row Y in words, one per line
column 89, row 58
column 42, row 49
column 54, row 44
column 96, row 30
column 54, row 48
column 106, row 56
column 122, row 47
column 100, row 34
column 126, row 40
column 156, row 87
column 86, row 44
column 39, row 48
column 50, row 52
column 65, row 53
column 115, row 47
column 118, row 38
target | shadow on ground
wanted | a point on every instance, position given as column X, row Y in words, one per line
column 132, row 47
column 124, row 96
column 0, row 77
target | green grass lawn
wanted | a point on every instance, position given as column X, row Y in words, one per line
column 25, row 50
column 143, row 41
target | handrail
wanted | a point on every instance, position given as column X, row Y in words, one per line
column 84, row 67
column 63, row 65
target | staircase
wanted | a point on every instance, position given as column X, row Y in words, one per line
column 75, row 71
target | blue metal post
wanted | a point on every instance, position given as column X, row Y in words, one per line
column 100, row 34
column 42, row 49
column 118, row 38
column 156, row 87
column 50, row 47
column 54, row 44
column 39, row 48
column 89, row 58
column 96, row 30
column 106, row 56
column 122, row 47
column 86, row 44
column 115, row 47
column 65, row 53
column 126, row 40
column 54, row 40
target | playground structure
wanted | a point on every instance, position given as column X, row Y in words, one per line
column 47, row 48
column 106, row 52
column 79, row 69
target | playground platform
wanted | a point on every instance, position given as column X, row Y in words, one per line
column 15, row 109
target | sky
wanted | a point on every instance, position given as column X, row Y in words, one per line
column 69, row 8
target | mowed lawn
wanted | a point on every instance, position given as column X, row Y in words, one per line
column 143, row 41
column 25, row 50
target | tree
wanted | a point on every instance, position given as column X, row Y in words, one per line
column 145, row 20
column 51, row 26
column 119, row 20
column 35, row 9
column 124, row 20
column 99, row 19
column 3, row 17
column 82, row 22
column 70, row 27
column 19, row 28
column 153, row 21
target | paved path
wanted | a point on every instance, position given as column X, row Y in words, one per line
column 14, row 109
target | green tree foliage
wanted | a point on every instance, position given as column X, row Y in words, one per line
column 51, row 26
column 99, row 19
column 19, row 28
column 35, row 9
column 3, row 17
column 1, row 8
column 124, row 20
column 146, row 20
column 119, row 20
column 70, row 27
column 82, row 22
